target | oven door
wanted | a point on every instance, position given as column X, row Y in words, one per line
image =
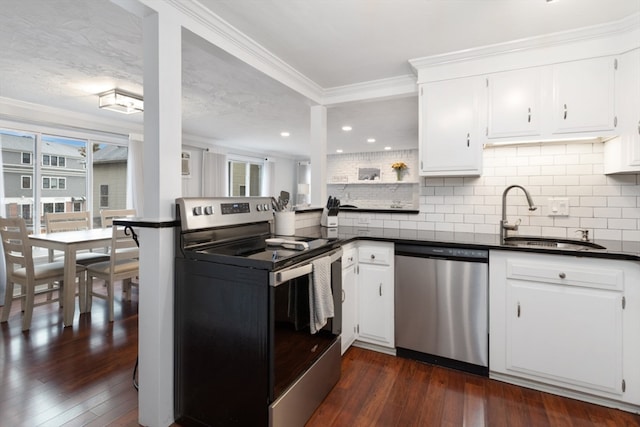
column 295, row 349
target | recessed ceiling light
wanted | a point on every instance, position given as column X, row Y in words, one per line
column 339, row 150
column 346, row 128
column 371, row 140
column 285, row 134
column 387, row 148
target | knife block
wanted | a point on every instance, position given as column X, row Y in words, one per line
column 327, row 220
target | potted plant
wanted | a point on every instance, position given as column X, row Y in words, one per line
column 399, row 167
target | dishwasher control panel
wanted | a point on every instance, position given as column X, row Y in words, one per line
column 478, row 255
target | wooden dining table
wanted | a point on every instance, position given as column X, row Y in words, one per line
column 70, row 242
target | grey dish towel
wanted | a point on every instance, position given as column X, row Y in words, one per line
column 320, row 296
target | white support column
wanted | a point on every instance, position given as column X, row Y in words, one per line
column 318, row 135
column 162, row 185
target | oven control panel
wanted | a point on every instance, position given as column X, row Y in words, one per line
column 198, row 213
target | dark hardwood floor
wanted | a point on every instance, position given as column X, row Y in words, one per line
column 76, row 376
column 380, row 390
column 82, row 376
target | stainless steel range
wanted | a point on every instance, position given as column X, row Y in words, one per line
column 245, row 305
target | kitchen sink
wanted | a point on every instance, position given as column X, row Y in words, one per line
column 552, row 242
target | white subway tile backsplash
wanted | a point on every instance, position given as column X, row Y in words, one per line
column 609, row 206
column 623, row 202
column 593, row 201
column 607, row 212
column 623, row 224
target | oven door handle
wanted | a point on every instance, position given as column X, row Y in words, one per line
column 294, row 272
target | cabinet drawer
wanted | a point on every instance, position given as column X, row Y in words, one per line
column 379, row 255
column 349, row 257
column 577, row 274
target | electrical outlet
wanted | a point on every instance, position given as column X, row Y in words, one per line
column 558, row 206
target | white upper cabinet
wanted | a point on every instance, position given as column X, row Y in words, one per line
column 514, row 103
column 450, row 132
column 583, row 96
column 622, row 154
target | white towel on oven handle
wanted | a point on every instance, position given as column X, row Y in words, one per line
column 320, row 295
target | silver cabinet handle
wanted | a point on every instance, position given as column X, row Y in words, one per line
column 380, row 289
column 562, row 275
column 529, row 115
column 343, row 295
column 468, row 138
column 565, row 111
column 518, row 309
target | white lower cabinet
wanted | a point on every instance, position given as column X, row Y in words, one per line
column 566, row 324
column 349, row 296
column 376, row 293
column 368, row 296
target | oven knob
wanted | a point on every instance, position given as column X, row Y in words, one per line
column 208, row 210
column 259, row 207
column 197, row 210
column 265, row 207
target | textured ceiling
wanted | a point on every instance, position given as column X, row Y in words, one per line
column 61, row 53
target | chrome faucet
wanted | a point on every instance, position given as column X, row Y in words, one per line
column 504, row 224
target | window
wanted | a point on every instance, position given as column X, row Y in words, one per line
column 56, row 207
column 49, row 160
column 104, row 196
column 54, row 183
column 64, row 166
column 26, row 211
column 25, row 182
column 245, row 178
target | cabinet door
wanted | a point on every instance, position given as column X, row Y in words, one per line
column 349, row 307
column 450, row 143
column 628, row 98
column 565, row 334
column 514, row 103
column 375, row 306
column 583, row 95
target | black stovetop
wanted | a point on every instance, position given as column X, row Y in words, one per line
column 255, row 253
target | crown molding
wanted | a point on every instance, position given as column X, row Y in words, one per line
column 611, row 29
column 392, row 87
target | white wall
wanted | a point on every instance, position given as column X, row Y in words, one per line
column 609, row 206
column 284, row 172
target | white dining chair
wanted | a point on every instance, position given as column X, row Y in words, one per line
column 108, row 215
column 123, row 265
column 22, row 271
column 72, row 221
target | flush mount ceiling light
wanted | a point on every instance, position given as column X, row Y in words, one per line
column 371, row 140
column 285, row 134
column 346, row 128
column 387, row 148
column 339, row 150
column 120, row 101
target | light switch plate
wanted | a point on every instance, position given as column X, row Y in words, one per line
column 558, row 206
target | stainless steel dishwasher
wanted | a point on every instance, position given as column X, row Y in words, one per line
column 441, row 302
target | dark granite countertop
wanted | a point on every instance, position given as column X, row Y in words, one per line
column 615, row 249
column 366, row 210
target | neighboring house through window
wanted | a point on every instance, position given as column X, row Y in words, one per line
column 26, row 158
column 245, row 177
column 104, row 196
column 25, row 182
column 54, row 183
